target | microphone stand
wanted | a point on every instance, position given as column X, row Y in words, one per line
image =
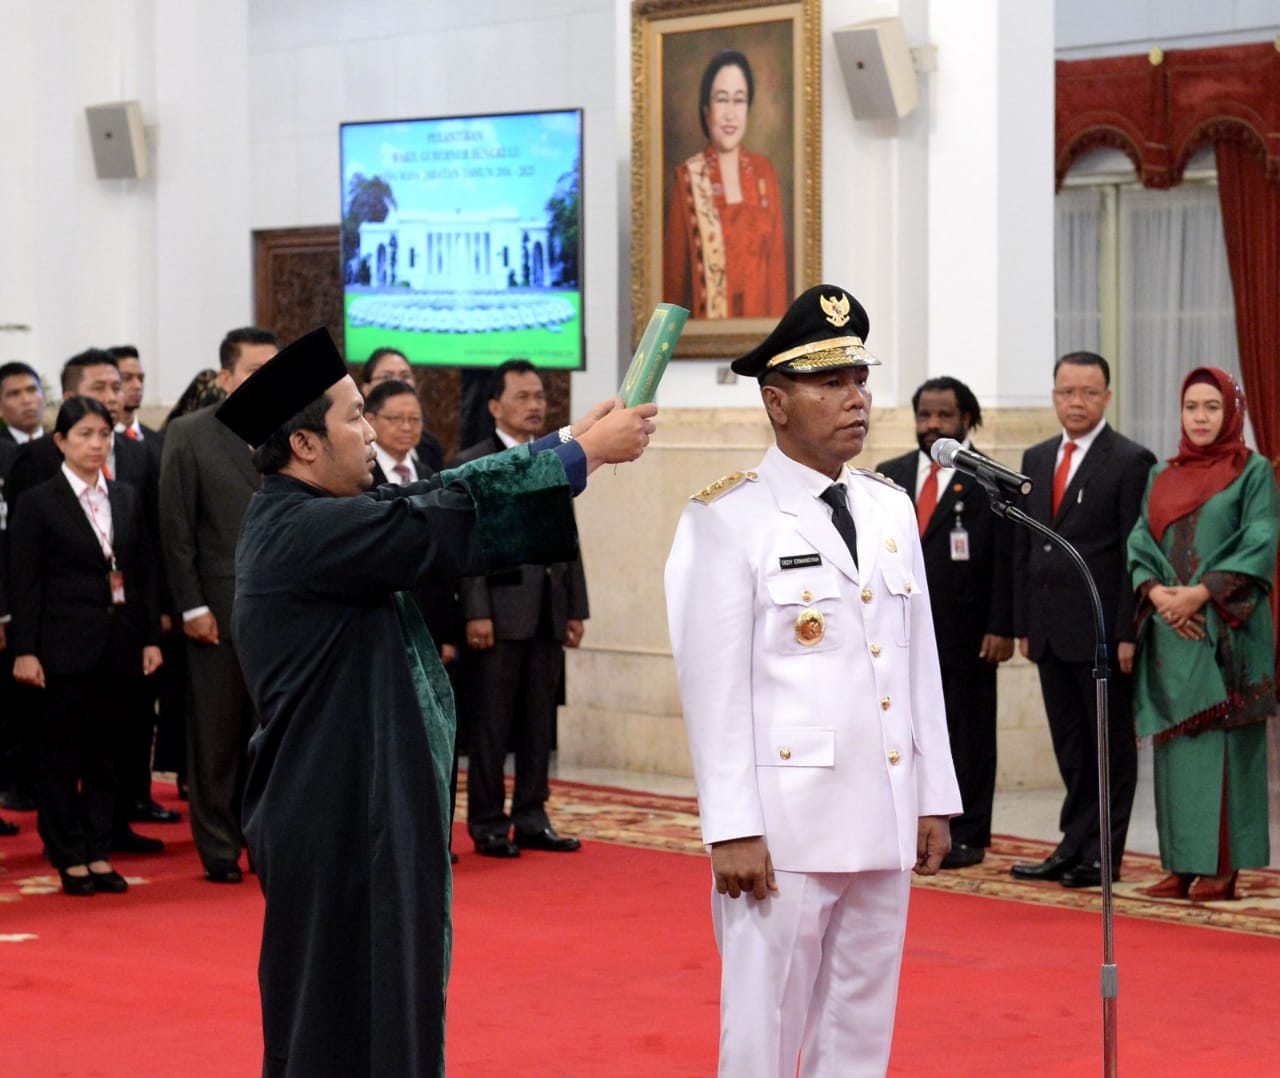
column 1001, row 506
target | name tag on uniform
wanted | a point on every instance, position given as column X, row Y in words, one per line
column 799, row 561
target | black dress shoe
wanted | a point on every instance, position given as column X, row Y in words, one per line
column 110, row 882
column 547, row 839
column 962, row 856
column 1051, row 868
column 129, row 841
column 1086, row 874
column 77, row 885
column 8, row 827
column 496, row 846
column 223, row 872
column 152, row 812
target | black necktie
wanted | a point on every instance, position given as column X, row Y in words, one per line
column 834, row 496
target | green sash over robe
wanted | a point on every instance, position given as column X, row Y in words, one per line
column 346, row 806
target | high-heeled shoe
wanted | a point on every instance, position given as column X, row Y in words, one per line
column 1214, row 888
column 1174, row 885
column 76, row 885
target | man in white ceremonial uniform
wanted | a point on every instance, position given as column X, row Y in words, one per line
column 813, row 701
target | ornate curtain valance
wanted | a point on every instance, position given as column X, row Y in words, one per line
column 1159, row 109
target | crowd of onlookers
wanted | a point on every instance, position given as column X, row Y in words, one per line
column 117, row 578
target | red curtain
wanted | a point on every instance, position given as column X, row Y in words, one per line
column 1251, row 223
column 1159, row 109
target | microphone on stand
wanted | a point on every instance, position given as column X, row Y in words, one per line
column 951, row 454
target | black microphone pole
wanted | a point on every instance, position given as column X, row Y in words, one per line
column 1001, row 506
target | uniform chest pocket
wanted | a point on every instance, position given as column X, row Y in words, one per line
column 803, row 613
column 901, row 590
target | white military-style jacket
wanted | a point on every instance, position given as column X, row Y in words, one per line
column 810, row 688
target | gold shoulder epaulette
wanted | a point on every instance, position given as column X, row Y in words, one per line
column 723, row 485
column 878, row 476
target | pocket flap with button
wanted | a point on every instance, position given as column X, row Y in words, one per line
column 900, row 582
column 797, row 588
column 796, row 746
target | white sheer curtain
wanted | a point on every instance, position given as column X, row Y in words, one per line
column 1176, row 308
column 1077, row 254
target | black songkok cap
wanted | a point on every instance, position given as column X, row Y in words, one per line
column 283, row 386
column 823, row 329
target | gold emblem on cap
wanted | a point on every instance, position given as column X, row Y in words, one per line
column 891, row 546
column 810, row 627
column 836, row 310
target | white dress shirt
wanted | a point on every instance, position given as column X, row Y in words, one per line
column 95, row 503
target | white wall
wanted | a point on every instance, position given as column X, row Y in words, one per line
column 162, row 262
column 1085, row 28
column 243, row 98
column 316, row 64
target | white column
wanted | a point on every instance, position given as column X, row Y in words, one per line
column 991, row 198
column 204, row 170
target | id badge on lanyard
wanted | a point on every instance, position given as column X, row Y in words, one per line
column 116, row 579
column 959, row 537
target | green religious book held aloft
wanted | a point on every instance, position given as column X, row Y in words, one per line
column 650, row 360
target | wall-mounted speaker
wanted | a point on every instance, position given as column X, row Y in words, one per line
column 878, row 71
column 118, row 139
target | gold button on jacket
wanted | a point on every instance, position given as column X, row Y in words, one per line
column 894, row 756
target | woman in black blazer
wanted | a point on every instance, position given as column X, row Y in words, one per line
column 85, row 628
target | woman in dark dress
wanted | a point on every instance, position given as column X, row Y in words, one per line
column 85, row 629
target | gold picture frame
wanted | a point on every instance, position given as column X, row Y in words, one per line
column 681, row 250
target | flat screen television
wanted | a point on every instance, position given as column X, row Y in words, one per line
column 462, row 239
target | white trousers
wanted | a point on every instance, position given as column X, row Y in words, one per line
column 811, row 974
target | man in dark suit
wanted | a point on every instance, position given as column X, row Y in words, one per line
column 1088, row 487
column 22, row 408
column 206, row 480
column 132, row 384
column 135, row 787
column 517, row 627
column 968, row 560
column 95, row 373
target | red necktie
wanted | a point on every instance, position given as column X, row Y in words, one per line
column 129, row 432
column 402, row 470
column 1060, row 476
column 928, row 500
column 106, row 471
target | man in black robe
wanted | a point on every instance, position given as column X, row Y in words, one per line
column 346, row 811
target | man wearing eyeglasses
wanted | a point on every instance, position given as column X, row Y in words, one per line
column 1088, row 487
column 395, row 413
column 517, row 627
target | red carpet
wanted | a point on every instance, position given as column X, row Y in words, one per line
column 601, row 964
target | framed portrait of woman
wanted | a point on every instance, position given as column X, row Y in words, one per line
column 725, row 165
